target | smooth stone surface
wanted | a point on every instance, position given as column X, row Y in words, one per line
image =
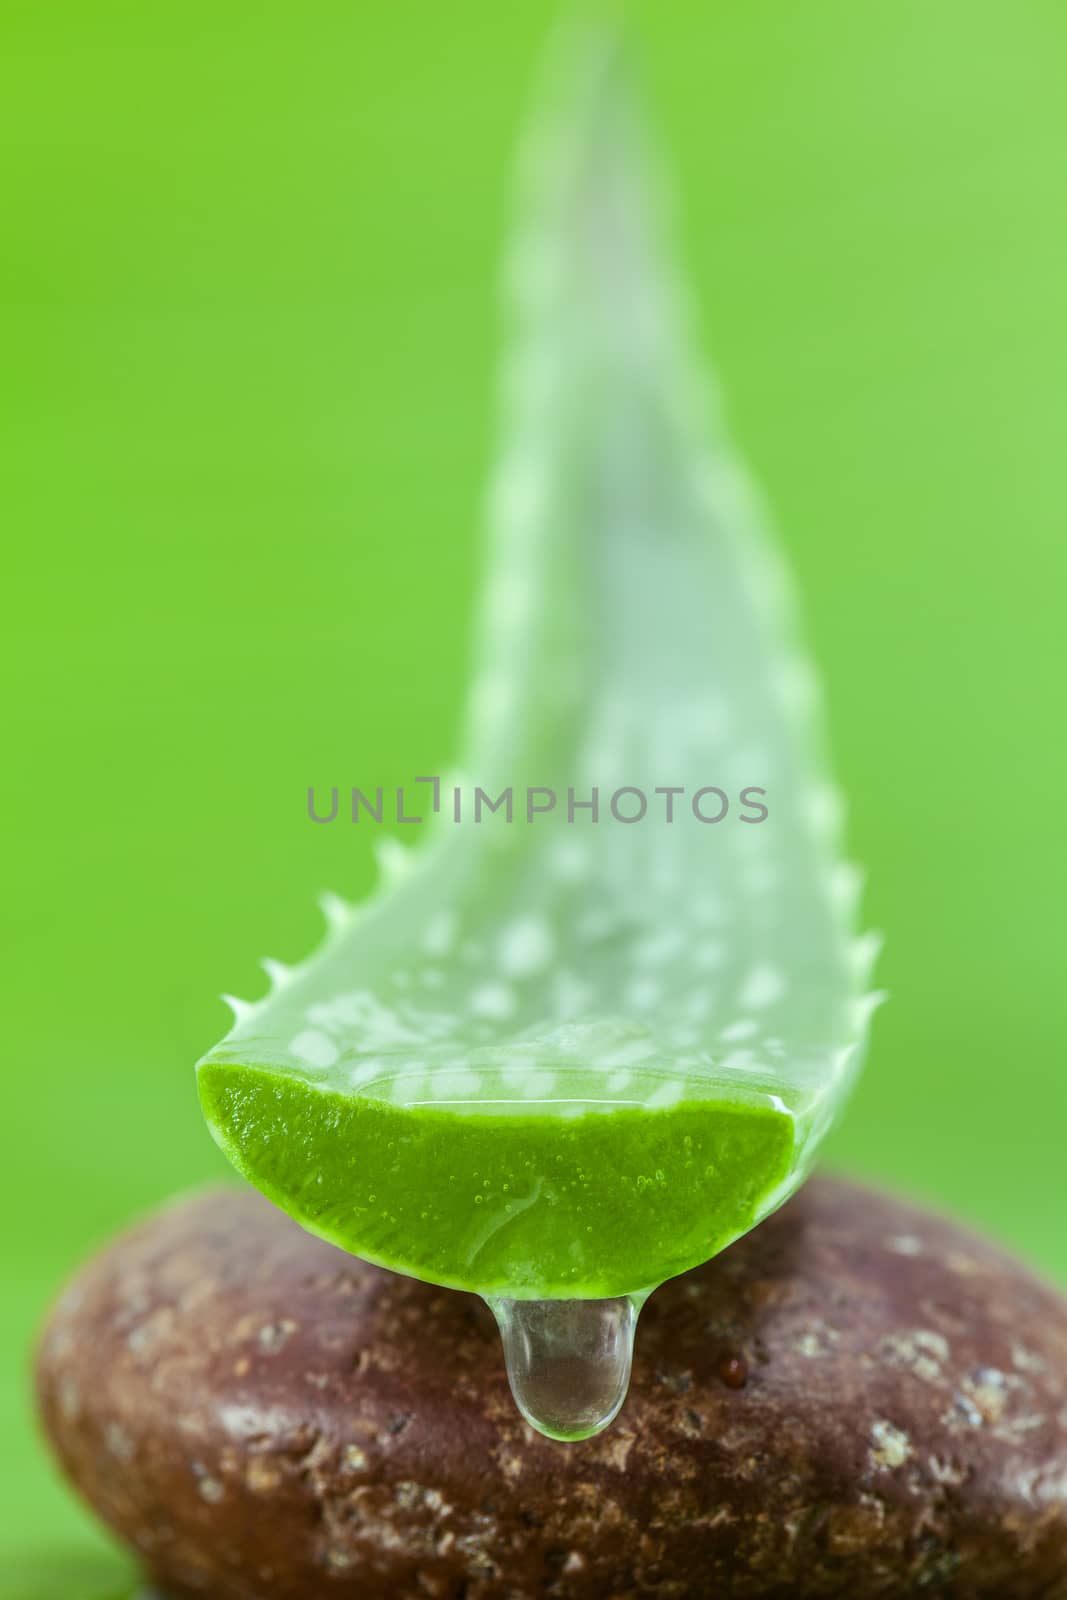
column 855, row 1400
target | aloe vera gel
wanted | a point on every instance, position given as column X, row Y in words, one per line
column 565, row 1055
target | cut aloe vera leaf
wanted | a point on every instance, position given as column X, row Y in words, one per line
column 558, row 1058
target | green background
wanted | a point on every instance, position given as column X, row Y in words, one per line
column 248, row 306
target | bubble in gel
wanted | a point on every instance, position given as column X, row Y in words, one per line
column 568, row 1361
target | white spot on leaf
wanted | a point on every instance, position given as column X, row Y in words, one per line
column 316, row 1048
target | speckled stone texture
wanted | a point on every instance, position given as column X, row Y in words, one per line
column 856, row 1400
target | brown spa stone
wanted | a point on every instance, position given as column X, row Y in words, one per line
column 856, row 1400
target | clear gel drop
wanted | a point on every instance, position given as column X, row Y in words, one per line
column 568, row 1361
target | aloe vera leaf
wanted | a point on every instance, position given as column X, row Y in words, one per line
column 638, row 632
